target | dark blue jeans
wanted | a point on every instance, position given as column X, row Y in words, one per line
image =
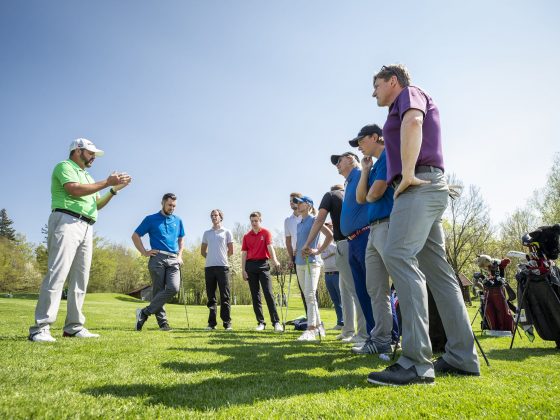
column 357, row 259
column 331, row 281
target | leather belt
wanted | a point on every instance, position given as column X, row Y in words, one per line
column 420, row 169
column 171, row 254
column 79, row 216
column 330, row 272
column 378, row 221
column 357, row 233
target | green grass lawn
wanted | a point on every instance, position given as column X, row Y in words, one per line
column 243, row 373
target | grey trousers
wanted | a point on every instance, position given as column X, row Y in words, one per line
column 414, row 254
column 166, row 281
column 350, row 306
column 70, row 248
column 377, row 284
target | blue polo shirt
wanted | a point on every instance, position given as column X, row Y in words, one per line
column 354, row 216
column 381, row 208
column 164, row 231
column 303, row 229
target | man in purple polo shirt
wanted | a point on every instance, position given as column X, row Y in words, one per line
column 415, row 248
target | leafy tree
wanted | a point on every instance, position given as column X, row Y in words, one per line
column 239, row 230
column 6, row 231
column 468, row 230
column 550, row 203
column 17, row 270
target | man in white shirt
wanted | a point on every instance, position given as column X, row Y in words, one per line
column 216, row 247
column 290, row 231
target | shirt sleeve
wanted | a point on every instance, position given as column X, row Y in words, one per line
column 412, row 98
column 181, row 229
column 65, row 173
column 244, row 245
column 267, row 238
column 380, row 169
column 143, row 228
column 287, row 228
column 204, row 237
column 229, row 237
column 326, row 202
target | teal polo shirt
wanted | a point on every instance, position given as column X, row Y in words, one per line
column 164, row 231
column 69, row 171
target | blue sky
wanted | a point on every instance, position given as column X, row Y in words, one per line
column 236, row 104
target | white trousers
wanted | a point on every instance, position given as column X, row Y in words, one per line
column 308, row 277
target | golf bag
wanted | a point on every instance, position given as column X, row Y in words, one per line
column 538, row 282
column 496, row 298
column 438, row 338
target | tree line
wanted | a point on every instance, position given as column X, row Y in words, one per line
column 120, row 269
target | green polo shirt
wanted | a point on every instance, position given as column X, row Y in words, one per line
column 69, row 171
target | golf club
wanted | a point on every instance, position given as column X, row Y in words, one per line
column 184, row 296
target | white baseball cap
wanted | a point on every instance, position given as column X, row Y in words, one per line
column 86, row 144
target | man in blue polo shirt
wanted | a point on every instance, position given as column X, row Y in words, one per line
column 354, row 225
column 166, row 234
column 373, row 189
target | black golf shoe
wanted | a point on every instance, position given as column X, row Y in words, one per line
column 141, row 318
column 396, row 375
column 443, row 368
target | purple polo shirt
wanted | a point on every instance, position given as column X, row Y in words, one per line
column 430, row 154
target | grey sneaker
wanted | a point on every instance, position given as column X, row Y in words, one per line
column 260, row 327
column 165, row 327
column 370, row 347
column 209, row 328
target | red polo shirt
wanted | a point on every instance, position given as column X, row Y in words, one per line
column 256, row 244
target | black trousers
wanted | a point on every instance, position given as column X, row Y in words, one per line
column 258, row 272
column 218, row 276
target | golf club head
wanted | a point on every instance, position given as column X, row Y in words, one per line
column 526, row 239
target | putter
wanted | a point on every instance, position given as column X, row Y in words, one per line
column 288, row 299
column 184, row 296
column 280, row 278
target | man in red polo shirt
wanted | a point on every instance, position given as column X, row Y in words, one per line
column 256, row 250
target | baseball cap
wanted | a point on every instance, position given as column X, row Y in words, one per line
column 334, row 158
column 366, row 130
column 303, row 199
column 86, row 144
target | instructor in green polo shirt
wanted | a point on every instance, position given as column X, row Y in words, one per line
column 75, row 202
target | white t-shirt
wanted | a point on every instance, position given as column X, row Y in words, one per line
column 329, row 261
column 290, row 228
column 217, row 241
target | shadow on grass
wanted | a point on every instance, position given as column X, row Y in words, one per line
column 215, row 393
column 130, row 299
column 249, row 372
column 521, row 353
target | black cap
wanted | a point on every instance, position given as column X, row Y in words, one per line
column 367, row 130
column 334, row 158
